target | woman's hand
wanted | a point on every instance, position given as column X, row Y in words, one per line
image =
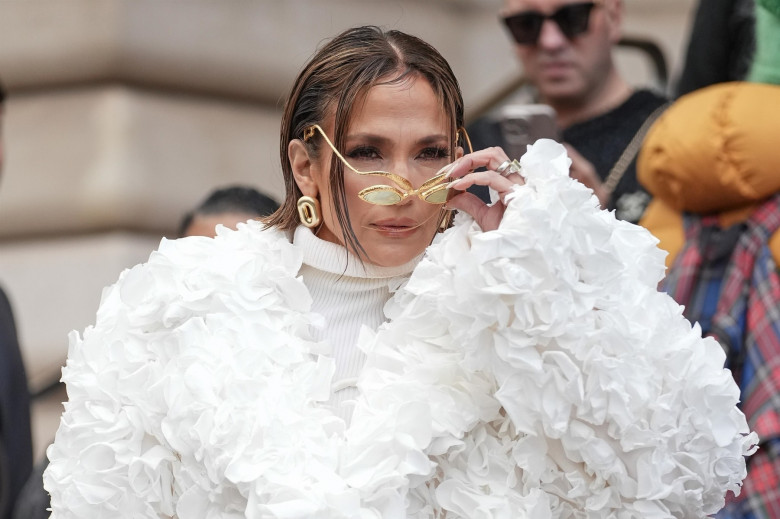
column 501, row 175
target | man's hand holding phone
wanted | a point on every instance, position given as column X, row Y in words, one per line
column 522, row 125
column 582, row 170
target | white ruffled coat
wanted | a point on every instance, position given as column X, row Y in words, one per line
column 533, row 371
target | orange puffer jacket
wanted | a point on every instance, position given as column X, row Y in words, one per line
column 714, row 151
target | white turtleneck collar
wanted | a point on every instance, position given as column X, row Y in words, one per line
column 336, row 259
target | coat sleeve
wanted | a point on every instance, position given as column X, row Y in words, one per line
column 165, row 390
column 557, row 379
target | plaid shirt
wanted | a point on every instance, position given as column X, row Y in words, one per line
column 728, row 282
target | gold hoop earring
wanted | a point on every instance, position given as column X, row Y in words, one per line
column 309, row 211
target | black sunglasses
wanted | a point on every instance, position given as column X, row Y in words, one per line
column 572, row 19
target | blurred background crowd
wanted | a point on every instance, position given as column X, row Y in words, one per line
column 126, row 121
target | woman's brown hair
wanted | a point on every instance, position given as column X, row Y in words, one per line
column 333, row 80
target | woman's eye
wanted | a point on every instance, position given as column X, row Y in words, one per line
column 363, row 153
column 435, row 153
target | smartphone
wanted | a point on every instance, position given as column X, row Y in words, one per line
column 522, row 125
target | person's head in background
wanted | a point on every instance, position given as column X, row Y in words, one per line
column 228, row 206
column 565, row 47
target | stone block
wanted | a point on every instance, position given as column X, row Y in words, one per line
column 111, row 157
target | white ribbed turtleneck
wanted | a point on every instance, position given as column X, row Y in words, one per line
column 349, row 295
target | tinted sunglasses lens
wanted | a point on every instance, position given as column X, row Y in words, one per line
column 380, row 195
column 437, row 195
column 524, row 27
column 573, row 19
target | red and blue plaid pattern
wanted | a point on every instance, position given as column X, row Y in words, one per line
column 728, row 281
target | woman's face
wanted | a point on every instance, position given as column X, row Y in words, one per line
column 399, row 128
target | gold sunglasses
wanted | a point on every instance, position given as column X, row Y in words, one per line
column 434, row 190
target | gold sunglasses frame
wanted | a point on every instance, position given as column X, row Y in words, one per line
column 425, row 192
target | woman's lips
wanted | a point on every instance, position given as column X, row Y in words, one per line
column 396, row 226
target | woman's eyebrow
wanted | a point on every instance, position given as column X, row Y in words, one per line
column 378, row 140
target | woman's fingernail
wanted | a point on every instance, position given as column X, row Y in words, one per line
column 448, row 169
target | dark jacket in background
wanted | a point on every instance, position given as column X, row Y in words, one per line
column 721, row 44
column 15, row 436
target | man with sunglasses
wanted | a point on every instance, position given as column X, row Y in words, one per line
column 565, row 47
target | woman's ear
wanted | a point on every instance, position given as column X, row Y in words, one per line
column 301, row 164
